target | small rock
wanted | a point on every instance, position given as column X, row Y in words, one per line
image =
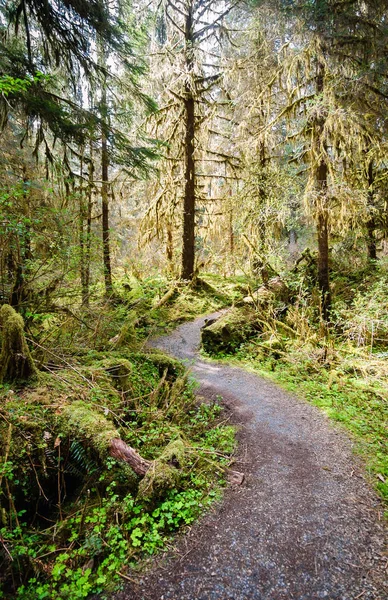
column 235, row 477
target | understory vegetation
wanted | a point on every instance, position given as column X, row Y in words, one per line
column 74, row 514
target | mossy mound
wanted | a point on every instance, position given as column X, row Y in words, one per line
column 119, row 371
column 164, row 362
column 228, row 332
column 84, row 422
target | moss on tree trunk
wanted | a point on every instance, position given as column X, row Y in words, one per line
column 16, row 363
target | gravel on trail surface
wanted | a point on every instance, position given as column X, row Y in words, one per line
column 304, row 524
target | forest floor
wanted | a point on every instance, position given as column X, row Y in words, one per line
column 304, row 524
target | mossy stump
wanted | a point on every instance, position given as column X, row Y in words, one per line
column 164, row 473
column 16, row 363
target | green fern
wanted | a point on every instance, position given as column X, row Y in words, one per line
column 79, row 463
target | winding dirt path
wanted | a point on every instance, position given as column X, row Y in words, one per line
column 305, row 524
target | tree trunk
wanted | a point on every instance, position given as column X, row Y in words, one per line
column 105, row 184
column 27, row 252
column 16, row 363
column 323, row 215
column 169, row 248
column 323, row 263
column 18, row 293
column 88, row 238
column 371, row 223
column 105, row 215
column 262, row 197
column 21, row 266
column 81, row 228
column 231, row 240
column 188, row 248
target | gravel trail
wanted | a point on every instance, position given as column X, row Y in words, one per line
column 304, row 525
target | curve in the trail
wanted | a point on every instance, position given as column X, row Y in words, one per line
column 305, row 525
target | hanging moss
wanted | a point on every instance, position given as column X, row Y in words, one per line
column 16, row 363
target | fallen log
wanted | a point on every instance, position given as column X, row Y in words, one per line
column 274, row 288
column 169, row 295
column 121, row 451
column 164, row 472
column 85, row 422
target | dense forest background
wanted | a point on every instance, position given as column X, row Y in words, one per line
column 180, row 138
column 158, row 160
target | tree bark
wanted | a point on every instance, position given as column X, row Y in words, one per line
column 169, row 295
column 262, row 196
column 231, row 240
column 16, row 363
column 121, row 451
column 323, row 214
column 27, row 251
column 88, row 238
column 21, row 266
column 105, row 215
column 82, row 228
column 101, row 434
column 323, row 263
column 169, row 248
column 105, row 185
column 188, row 248
column 371, row 223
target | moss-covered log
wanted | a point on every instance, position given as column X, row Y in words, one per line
column 164, row 473
column 83, row 421
column 16, row 363
column 96, row 447
column 229, row 331
column 274, row 289
column 121, row 451
column 169, row 296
